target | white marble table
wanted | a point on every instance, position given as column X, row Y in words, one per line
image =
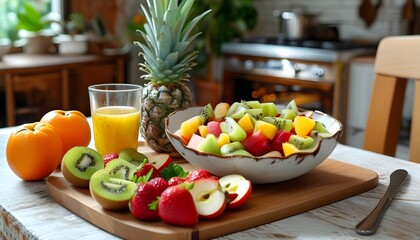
column 27, row 211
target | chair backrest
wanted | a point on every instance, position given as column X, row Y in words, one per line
column 397, row 60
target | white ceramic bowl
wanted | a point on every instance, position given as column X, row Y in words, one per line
column 257, row 169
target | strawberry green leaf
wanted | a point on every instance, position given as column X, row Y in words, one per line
column 173, row 170
column 154, row 205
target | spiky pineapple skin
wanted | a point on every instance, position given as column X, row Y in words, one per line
column 158, row 102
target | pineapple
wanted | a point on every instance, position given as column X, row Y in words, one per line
column 167, row 37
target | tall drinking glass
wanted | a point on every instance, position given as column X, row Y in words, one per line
column 115, row 110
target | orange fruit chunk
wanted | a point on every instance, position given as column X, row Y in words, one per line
column 289, row 149
column 303, row 125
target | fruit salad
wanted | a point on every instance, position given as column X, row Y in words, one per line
column 251, row 128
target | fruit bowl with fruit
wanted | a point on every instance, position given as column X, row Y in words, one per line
column 263, row 142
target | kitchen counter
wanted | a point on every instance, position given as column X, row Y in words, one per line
column 28, row 212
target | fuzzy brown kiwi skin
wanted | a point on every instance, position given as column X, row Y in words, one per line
column 76, row 181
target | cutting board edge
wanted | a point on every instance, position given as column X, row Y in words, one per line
column 194, row 233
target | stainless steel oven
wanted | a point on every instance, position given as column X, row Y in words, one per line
column 314, row 73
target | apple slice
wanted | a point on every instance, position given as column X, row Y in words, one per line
column 257, row 144
column 209, row 199
column 235, row 184
column 160, row 161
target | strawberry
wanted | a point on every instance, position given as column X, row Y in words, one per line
column 175, row 181
column 144, row 170
column 176, row 206
column 143, row 204
column 198, row 174
column 160, row 183
column 109, row 157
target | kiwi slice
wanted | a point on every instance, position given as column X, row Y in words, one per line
column 207, row 112
column 269, row 109
column 252, row 103
column 288, row 114
column 320, row 127
column 301, row 142
column 110, row 192
column 239, row 111
column 280, row 123
column 133, row 156
column 256, row 113
column 120, row 168
column 293, row 106
column 79, row 164
column 235, row 132
column 231, row 147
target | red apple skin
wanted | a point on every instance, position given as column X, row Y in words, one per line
column 239, row 201
column 214, row 128
column 160, row 161
column 238, row 188
column 257, row 144
column 280, row 137
column 216, row 214
column 209, row 182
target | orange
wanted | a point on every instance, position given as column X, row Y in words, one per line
column 72, row 126
column 34, row 150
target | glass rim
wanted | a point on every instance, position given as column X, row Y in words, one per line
column 103, row 87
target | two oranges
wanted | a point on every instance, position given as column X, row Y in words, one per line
column 35, row 150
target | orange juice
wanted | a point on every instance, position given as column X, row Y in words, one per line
column 115, row 128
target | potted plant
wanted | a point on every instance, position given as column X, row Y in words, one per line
column 32, row 26
column 75, row 41
column 229, row 20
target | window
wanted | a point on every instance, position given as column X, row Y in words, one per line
column 9, row 23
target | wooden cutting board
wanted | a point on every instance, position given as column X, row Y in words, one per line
column 329, row 182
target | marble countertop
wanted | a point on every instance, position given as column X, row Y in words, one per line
column 28, row 212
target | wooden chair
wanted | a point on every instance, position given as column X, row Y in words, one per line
column 397, row 60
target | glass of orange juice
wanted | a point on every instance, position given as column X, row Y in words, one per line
column 115, row 110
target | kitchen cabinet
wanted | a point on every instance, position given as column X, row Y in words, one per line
column 31, row 85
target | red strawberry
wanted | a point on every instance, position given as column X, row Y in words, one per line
column 143, row 204
column 198, row 174
column 175, row 181
column 109, row 157
column 176, row 206
column 144, row 170
column 160, row 183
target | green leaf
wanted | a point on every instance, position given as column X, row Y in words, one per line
column 173, row 170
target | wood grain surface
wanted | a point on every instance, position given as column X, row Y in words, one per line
column 329, row 182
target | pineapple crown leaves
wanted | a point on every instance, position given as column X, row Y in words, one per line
column 167, row 37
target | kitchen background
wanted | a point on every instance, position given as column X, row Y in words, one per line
column 353, row 20
column 391, row 17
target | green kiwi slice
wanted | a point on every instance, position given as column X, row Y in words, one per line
column 207, row 113
column 79, row 164
column 133, row 156
column 301, row 142
column 120, row 168
column 110, row 192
